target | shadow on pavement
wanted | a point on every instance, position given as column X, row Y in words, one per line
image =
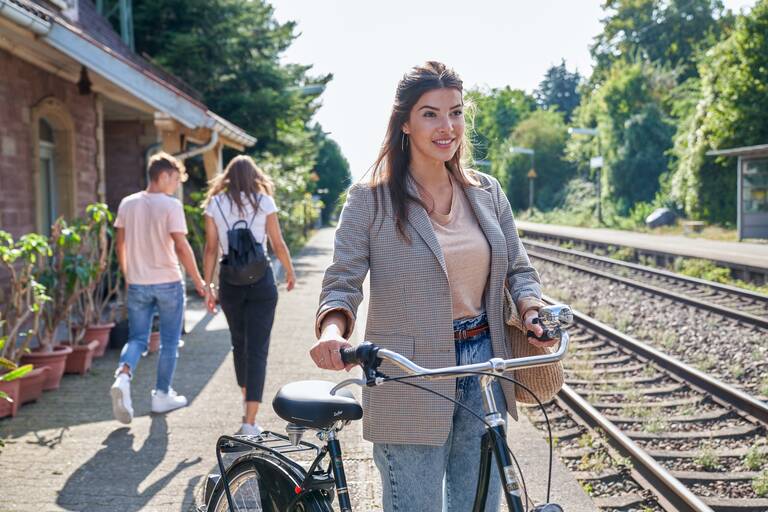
column 86, row 399
column 116, row 472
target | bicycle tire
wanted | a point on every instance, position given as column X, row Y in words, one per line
column 263, row 483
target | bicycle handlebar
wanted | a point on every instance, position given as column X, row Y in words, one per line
column 358, row 355
column 366, row 353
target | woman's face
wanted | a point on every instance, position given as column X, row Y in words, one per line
column 435, row 126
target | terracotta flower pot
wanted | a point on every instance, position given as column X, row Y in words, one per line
column 100, row 333
column 12, row 390
column 31, row 385
column 79, row 361
column 154, row 342
column 56, row 360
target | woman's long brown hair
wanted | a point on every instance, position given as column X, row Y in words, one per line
column 242, row 176
column 391, row 168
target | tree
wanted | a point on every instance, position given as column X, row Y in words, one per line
column 641, row 159
column 496, row 114
column 663, row 32
column 634, row 132
column 333, row 173
column 559, row 90
column 229, row 51
column 545, row 132
column 731, row 110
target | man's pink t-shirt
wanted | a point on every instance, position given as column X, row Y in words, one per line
column 148, row 220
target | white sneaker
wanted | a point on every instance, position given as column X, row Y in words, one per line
column 166, row 402
column 246, row 429
column 121, row 398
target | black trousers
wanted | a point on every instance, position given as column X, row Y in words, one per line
column 250, row 312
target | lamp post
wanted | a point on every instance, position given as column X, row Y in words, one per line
column 531, row 174
column 594, row 163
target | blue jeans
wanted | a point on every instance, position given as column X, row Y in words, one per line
column 143, row 300
column 444, row 478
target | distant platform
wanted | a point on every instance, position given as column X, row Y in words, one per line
column 748, row 261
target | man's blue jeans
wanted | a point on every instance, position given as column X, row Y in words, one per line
column 444, row 478
column 143, row 300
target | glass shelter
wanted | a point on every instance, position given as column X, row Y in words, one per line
column 752, row 180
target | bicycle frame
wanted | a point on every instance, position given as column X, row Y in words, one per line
column 494, row 441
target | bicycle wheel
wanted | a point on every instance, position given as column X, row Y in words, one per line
column 262, row 483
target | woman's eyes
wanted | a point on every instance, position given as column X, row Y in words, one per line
column 455, row 113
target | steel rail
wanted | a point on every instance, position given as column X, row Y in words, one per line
column 678, row 297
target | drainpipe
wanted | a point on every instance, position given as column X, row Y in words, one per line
column 24, row 18
column 202, row 149
column 184, row 154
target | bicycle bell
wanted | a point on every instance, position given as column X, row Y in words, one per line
column 555, row 316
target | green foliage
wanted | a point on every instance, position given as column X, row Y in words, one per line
column 333, row 173
column 754, row 459
column 195, row 216
column 20, row 312
column 669, row 33
column 576, row 204
column 559, row 90
column 730, row 111
column 760, row 483
column 229, row 51
column 545, row 132
column 634, row 134
column 707, row 459
column 493, row 117
column 702, row 269
column 641, row 159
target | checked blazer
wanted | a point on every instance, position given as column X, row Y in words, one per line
column 410, row 309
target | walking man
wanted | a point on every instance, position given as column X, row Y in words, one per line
column 151, row 241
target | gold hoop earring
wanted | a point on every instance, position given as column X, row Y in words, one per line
column 403, row 141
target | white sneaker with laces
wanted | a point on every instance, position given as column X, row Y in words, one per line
column 246, row 429
column 121, row 398
column 166, row 402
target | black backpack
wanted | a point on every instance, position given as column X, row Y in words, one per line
column 245, row 263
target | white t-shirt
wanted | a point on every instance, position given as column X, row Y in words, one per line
column 266, row 204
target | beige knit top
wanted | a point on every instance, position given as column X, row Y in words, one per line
column 467, row 254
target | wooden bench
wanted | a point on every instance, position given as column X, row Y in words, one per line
column 692, row 226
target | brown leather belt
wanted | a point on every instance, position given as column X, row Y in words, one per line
column 469, row 333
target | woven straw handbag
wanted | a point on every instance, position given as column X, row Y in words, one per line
column 545, row 381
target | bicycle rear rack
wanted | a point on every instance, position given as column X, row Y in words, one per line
column 267, row 441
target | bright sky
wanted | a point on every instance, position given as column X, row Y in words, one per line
column 369, row 44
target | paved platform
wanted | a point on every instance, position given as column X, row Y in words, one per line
column 66, row 452
column 736, row 253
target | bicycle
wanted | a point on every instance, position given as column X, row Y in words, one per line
column 264, row 478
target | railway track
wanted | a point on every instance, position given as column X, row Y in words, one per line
column 744, row 306
column 645, row 432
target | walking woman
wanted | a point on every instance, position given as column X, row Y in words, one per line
column 243, row 193
column 440, row 244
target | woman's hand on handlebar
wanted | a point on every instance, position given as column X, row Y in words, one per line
column 530, row 325
column 325, row 353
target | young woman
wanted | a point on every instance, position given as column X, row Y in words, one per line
column 440, row 244
column 244, row 192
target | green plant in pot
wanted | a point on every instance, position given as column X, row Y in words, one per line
column 64, row 273
column 100, row 280
column 20, row 311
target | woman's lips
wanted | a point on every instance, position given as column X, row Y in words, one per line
column 443, row 143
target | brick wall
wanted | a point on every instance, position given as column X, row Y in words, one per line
column 124, row 145
column 23, row 86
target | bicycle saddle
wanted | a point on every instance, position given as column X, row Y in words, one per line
column 309, row 403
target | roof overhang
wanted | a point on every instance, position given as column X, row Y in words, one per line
column 753, row 151
column 126, row 75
